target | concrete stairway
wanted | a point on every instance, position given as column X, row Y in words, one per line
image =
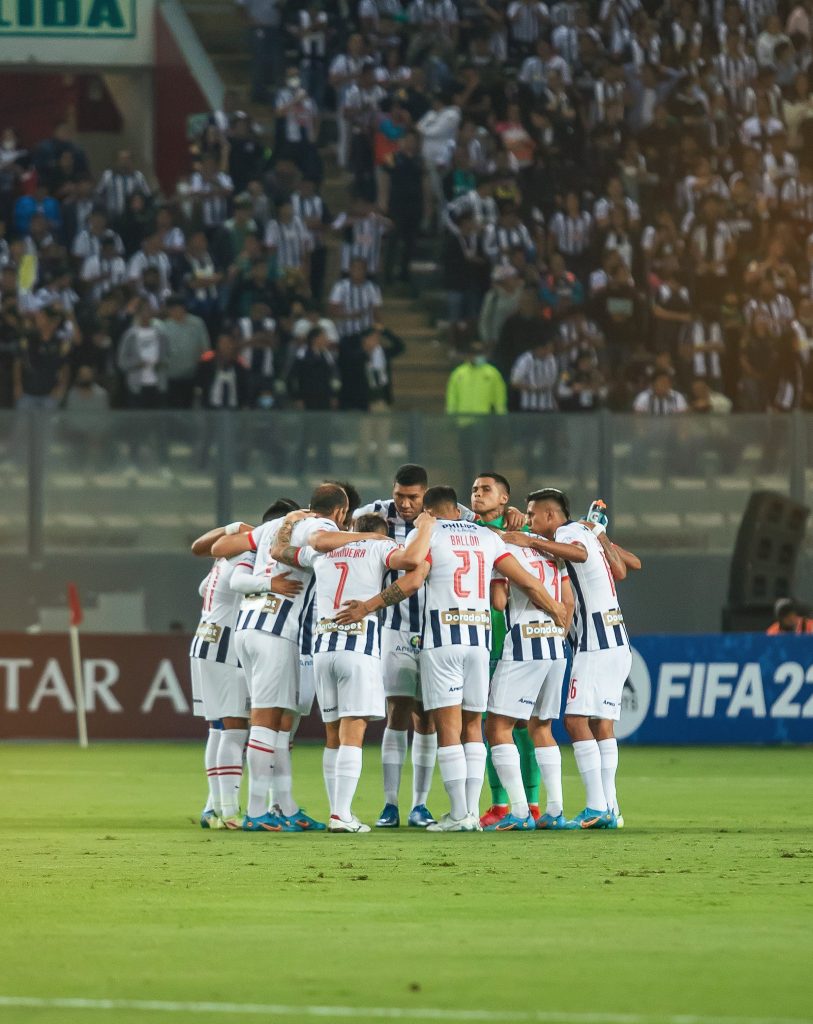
column 419, row 375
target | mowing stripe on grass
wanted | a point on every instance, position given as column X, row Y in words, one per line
column 383, row 1012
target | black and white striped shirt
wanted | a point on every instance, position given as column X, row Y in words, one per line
column 213, row 195
column 291, row 243
column 572, row 234
column 668, row 405
column 310, row 208
column 360, row 301
column 115, row 189
column 499, row 241
column 735, row 75
column 104, row 274
column 527, row 20
column 363, row 239
column 141, row 260
column 535, row 378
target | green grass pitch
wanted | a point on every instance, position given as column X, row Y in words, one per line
column 702, row 906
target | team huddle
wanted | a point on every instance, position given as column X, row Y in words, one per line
column 431, row 615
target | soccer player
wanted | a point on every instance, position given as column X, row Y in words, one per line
column 527, row 683
column 602, row 658
column 219, row 692
column 268, row 639
column 347, row 658
column 455, row 641
column 400, row 646
column 490, row 494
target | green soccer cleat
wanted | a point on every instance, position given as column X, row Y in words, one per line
column 210, row 819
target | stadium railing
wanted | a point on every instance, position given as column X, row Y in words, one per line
column 150, row 481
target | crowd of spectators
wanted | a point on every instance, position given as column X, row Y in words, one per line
column 619, row 197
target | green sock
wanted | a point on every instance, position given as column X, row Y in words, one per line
column 498, row 794
column 528, row 765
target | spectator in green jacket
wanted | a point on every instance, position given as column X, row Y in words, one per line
column 475, row 390
column 476, row 386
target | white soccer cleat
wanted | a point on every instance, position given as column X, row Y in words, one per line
column 469, row 823
column 619, row 820
column 337, row 824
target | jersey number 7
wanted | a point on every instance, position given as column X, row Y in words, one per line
column 344, row 569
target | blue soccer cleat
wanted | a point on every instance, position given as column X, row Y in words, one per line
column 554, row 823
column 389, row 817
column 420, row 817
column 591, row 818
column 265, row 823
column 209, row 819
column 613, row 822
column 512, row 823
column 301, row 822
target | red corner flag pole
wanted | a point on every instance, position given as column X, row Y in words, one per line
column 75, row 609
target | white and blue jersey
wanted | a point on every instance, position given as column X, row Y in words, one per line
column 407, row 616
column 271, row 613
column 457, row 598
column 531, row 634
column 351, row 573
column 598, row 624
column 213, row 637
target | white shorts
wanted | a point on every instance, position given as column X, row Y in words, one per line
column 271, row 665
column 455, row 675
column 597, row 683
column 399, row 663
column 521, row 689
column 349, row 685
column 307, row 685
column 221, row 688
column 197, row 695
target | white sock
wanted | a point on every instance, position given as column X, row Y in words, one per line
column 549, row 760
column 588, row 761
column 230, row 769
column 260, row 762
column 475, row 773
column 424, row 755
column 282, row 775
column 210, row 761
column 294, row 726
column 452, row 764
column 348, row 773
column 505, row 758
column 393, row 755
column 609, row 766
column 329, row 773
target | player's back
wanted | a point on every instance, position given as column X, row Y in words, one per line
column 218, row 612
column 407, row 615
column 351, row 573
column 598, row 623
column 528, row 627
column 457, row 593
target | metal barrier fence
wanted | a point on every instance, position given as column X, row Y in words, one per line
column 150, row 481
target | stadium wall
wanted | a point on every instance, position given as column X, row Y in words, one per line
column 735, row 689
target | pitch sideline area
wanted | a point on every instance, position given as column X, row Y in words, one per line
column 117, row 907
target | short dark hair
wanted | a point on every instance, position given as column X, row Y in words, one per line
column 436, row 497
column 327, row 498
column 353, row 496
column 410, row 475
column 552, row 494
column 371, row 523
column 281, row 507
column 498, row 477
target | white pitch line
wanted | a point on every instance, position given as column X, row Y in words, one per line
column 383, row 1012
